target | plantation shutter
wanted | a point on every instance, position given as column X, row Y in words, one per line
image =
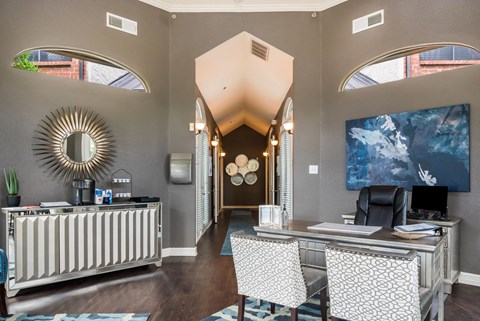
column 202, row 181
column 286, row 172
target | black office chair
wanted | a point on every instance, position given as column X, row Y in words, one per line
column 382, row 206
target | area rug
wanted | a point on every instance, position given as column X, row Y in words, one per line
column 309, row 311
column 79, row 317
column 239, row 220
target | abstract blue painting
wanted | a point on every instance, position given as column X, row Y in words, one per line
column 424, row 147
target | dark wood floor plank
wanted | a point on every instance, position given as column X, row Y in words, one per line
column 183, row 289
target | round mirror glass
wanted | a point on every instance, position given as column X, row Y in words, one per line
column 79, row 147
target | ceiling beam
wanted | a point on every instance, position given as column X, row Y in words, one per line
column 198, row 6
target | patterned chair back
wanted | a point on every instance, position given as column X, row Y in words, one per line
column 368, row 285
column 3, row 267
column 269, row 269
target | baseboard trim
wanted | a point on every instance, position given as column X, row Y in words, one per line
column 179, row 251
column 469, row 278
column 243, row 206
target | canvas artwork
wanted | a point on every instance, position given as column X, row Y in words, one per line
column 424, row 147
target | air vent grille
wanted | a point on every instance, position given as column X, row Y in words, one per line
column 122, row 24
column 259, row 50
column 369, row 21
column 115, row 22
column 375, row 20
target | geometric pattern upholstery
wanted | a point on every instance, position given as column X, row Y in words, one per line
column 269, row 269
column 3, row 267
column 366, row 285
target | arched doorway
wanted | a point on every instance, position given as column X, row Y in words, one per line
column 243, row 82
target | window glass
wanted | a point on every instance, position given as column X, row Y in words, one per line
column 450, row 53
column 411, row 62
column 79, row 65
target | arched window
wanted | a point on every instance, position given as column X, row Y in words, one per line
column 411, row 62
column 80, row 65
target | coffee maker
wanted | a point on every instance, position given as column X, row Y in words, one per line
column 83, row 191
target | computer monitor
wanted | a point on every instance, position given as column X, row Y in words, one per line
column 430, row 198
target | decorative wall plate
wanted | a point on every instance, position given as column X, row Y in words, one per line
column 243, row 170
column 231, row 169
column 241, row 160
column 250, row 178
column 253, row 165
column 237, row 179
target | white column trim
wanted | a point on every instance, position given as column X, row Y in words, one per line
column 179, row 251
column 469, row 278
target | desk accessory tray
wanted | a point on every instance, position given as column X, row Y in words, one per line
column 411, row 236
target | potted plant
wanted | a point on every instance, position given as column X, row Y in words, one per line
column 11, row 182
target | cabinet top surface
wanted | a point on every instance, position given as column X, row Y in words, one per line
column 80, row 209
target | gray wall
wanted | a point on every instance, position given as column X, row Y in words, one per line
column 406, row 23
column 149, row 127
column 139, row 121
column 297, row 34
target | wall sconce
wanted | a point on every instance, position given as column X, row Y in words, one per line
column 265, row 154
column 199, row 126
column 222, row 154
column 215, row 141
column 288, row 126
column 273, row 141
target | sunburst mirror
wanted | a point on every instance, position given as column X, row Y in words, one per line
column 74, row 143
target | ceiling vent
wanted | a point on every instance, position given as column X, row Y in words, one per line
column 122, row 24
column 366, row 22
column 259, row 50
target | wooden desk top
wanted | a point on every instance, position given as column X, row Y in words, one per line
column 452, row 221
column 382, row 237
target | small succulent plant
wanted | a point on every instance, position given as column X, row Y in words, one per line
column 11, row 180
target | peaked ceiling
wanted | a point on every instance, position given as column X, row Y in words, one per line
column 242, row 5
column 241, row 88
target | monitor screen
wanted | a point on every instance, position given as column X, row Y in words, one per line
column 430, row 198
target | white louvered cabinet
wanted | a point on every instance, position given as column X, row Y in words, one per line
column 49, row 245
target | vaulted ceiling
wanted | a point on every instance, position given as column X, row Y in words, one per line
column 244, row 81
column 239, row 87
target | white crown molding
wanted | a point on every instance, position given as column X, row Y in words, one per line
column 169, row 6
column 179, row 251
column 469, row 278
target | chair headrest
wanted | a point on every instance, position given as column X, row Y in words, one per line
column 382, row 195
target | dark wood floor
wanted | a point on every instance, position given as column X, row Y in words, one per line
column 183, row 289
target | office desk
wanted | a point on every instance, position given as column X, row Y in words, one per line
column 451, row 228
column 312, row 250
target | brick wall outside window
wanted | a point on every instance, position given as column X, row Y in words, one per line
column 65, row 69
column 425, row 67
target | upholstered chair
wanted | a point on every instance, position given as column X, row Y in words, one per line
column 367, row 285
column 3, row 280
column 382, row 206
column 269, row 269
